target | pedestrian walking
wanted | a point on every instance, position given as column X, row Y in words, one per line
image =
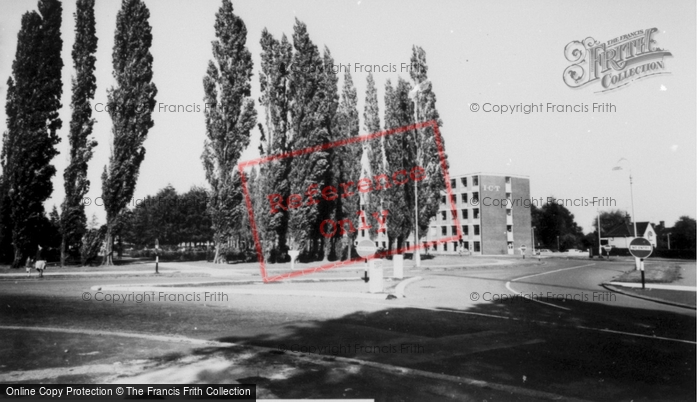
column 40, row 262
column 28, row 266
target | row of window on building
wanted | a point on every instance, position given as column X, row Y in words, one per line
column 465, row 198
column 475, row 181
column 474, row 246
column 465, row 213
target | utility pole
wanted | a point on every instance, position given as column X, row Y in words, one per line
column 600, row 252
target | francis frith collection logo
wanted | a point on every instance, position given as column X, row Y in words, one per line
column 615, row 63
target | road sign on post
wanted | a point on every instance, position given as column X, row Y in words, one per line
column 641, row 248
column 522, row 250
column 366, row 248
column 607, row 249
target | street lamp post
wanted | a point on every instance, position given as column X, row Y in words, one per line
column 416, row 92
column 618, row 167
column 634, row 222
column 600, row 247
column 533, row 239
column 668, row 240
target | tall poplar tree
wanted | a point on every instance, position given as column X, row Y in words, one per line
column 33, row 101
column 276, row 59
column 307, row 94
column 73, row 219
column 376, row 149
column 230, row 116
column 346, row 163
column 130, row 105
column 400, row 154
column 429, row 190
column 330, row 132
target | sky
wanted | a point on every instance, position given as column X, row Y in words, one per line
column 495, row 52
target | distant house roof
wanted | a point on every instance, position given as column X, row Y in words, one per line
column 626, row 230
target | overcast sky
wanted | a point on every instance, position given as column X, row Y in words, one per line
column 500, row 52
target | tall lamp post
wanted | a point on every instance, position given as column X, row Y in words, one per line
column 600, row 247
column 629, row 168
column 533, row 239
column 415, row 93
column 634, row 222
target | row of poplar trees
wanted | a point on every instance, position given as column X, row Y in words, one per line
column 32, row 106
column 303, row 108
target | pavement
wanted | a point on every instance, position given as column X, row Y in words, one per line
column 470, row 329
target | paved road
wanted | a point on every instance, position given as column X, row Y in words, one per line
column 590, row 346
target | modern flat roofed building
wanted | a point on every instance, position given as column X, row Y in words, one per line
column 493, row 213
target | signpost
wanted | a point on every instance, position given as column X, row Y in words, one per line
column 157, row 251
column 522, row 250
column 640, row 248
column 367, row 248
column 607, row 249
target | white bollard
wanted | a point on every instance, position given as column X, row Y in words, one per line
column 398, row 266
column 376, row 278
column 293, row 254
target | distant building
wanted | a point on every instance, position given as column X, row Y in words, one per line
column 621, row 235
column 493, row 213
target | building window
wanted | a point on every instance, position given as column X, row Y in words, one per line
column 408, row 244
column 435, row 246
column 509, row 228
column 383, row 244
column 477, row 246
column 509, row 212
column 453, row 197
column 510, row 245
column 444, row 215
column 464, row 182
column 475, row 197
column 465, row 230
column 444, row 230
column 454, row 230
column 507, row 180
column 444, row 200
column 475, row 213
column 465, row 198
column 475, row 181
column 453, row 183
column 454, row 214
column 476, row 230
column 455, row 245
column 465, row 215
column 508, row 196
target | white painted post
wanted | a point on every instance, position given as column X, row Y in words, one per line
column 376, row 278
column 398, row 266
column 293, row 254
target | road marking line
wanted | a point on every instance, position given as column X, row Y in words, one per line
column 544, row 273
column 550, row 272
column 662, row 338
column 535, row 300
column 639, row 335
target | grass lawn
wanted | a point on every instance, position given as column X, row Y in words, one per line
column 662, row 273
